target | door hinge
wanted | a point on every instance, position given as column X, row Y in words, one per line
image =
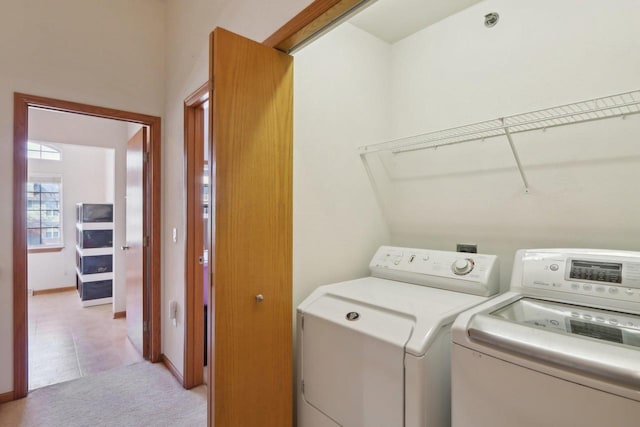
column 145, row 326
column 302, row 322
column 302, row 386
column 146, row 241
column 145, row 156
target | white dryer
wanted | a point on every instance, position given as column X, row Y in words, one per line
column 375, row 352
column 562, row 348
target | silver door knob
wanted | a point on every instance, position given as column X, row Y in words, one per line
column 125, row 248
column 259, row 298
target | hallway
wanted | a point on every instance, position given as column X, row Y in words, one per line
column 142, row 394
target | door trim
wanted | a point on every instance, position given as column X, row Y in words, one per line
column 310, row 22
column 193, row 369
column 21, row 104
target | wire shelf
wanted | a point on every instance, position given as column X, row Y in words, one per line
column 619, row 105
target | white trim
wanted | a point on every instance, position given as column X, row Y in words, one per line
column 94, row 251
column 94, row 226
column 56, row 246
column 87, row 278
column 97, row 301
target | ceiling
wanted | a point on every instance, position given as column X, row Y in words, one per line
column 393, row 20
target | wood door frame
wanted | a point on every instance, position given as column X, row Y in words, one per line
column 310, row 22
column 21, row 104
column 193, row 369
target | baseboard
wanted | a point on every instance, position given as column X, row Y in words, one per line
column 171, row 367
column 6, row 397
column 119, row 314
column 53, row 290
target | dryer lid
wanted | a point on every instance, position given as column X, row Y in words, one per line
column 353, row 352
column 429, row 309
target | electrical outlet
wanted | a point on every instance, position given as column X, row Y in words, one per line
column 470, row 248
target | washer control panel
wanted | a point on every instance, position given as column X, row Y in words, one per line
column 600, row 273
column 463, row 272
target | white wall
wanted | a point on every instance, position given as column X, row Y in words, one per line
column 132, row 129
column 342, row 89
column 187, row 51
column 110, row 179
column 84, row 172
column 458, row 72
column 85, row 131
column 107, row 53
column 337, row 223
column 341, row 101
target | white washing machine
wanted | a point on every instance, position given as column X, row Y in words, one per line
column 561, row 348
column 375, row 352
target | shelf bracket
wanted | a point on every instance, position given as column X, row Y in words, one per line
column 515, row 156
column 375, row 186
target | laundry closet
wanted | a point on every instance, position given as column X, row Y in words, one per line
column 469, row 102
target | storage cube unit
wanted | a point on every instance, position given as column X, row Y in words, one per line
column 94, row 253
column 94, row 264
column 94, row 212
column 94, row 291
column 89, row 239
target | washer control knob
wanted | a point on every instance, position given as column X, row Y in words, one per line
column 462, row 266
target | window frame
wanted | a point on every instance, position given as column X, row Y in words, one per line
column 42, row 145
column 46, row 178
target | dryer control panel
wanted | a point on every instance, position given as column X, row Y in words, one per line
column 600, row 273
column 456, row 271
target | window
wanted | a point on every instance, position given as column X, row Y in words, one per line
column 36, row 150
column 44, row 213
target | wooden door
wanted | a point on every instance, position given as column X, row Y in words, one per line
column 251, row 164
column 134, row 247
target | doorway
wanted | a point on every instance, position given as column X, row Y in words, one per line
column 197, row 262
column 151, row 225
column 74, row 289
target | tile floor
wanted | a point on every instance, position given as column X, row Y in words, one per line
column 67, row 341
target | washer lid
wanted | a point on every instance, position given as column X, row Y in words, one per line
column 583, row 339
column 605, row 325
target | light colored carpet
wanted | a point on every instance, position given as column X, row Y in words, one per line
column 142, row 394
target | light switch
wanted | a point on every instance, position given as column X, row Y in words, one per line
column 173, row 312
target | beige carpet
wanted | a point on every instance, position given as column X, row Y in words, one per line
column 143, row 394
